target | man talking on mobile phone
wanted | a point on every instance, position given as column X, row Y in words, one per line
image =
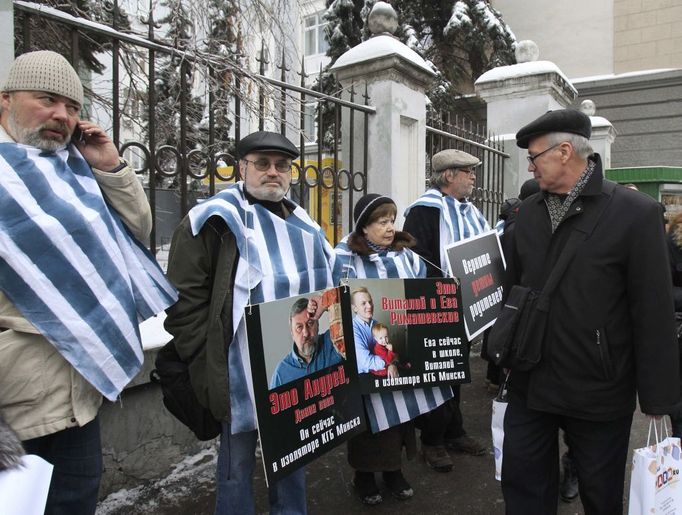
column 74, row 279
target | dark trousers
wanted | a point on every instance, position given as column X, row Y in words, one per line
column 676, row 423
column 530, row 463
column 76, row 454
column 445, row 422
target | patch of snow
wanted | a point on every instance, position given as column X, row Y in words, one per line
column 600, row 121
column 622, row 75
column 520, row 70
column 175, row 488
column 380, row 46
column 459, row 18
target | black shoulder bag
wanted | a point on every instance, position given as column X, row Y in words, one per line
column 516, row 340
column 172, row 373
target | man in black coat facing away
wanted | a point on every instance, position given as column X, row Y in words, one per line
column 610, row 330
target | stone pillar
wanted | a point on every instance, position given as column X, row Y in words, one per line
column 396, row 79
column 603, row 133
column 516, row 95
column 7, row 41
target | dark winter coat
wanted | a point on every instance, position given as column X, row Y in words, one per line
column 201, row 320
column 611, row 327
column 675, row 249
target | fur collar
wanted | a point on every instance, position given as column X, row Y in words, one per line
column 358, row 244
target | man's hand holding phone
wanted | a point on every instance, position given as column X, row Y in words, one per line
column 96, row 146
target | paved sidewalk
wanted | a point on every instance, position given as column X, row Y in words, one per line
column 470, row 489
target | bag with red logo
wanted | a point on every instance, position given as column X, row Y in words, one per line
column 655, row 484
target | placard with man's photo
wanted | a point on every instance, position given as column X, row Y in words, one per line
column 408, row 333
column 304, row 377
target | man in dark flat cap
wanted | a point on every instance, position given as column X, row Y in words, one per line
column 610, row 332
column 242, row 245
column 444, row 215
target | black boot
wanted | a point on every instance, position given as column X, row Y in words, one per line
column 568, row 490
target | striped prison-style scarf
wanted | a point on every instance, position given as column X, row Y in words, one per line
column 71, row 267
column 278, row 258
column 458, row 220
column 389, row 263
column 391, row 408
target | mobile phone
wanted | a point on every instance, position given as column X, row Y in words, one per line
column 78, row 136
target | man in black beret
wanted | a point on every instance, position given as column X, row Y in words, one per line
column 242, row 246
column 609, row 333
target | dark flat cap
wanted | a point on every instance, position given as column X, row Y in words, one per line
column 451, row 158
column 561, row 120
column 264, row 141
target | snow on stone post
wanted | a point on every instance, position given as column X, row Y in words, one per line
column 396, row 79
column 7, row 43
column 603, row 133
column 516, row 95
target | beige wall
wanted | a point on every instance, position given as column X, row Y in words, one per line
column 576, row 35
column 647, row 34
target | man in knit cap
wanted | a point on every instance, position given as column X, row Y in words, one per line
column 74, row 280
column 444, row 215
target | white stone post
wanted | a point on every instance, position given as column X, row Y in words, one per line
column 603, row 133
column 516, row 95
column 7, row 41
column 396, row 79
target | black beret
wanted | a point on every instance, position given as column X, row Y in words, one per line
column 365, row 206
column 264, row 141
column 561, row 120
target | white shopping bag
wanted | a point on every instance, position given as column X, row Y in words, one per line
column 497, row 426
column 655, row 484
column 23, row 490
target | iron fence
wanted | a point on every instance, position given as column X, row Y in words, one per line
column 450, row 132
column 198, row 168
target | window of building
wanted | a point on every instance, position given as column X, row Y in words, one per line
column 313, row 34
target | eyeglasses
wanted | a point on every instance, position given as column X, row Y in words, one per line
column 531, row 159
column 263, row 165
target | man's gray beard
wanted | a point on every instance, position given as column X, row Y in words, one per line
column 32, row 137
column 308, row 350
column 268, row 194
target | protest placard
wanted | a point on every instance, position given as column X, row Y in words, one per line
column 304, row 378
column 408, row 333
column 479, row 265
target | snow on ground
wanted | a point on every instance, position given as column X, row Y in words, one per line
column 190, row 475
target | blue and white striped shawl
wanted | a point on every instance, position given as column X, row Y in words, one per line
column 71, row 267
column 391, row 263
column 278, row 258
column 390, row 408
column 458, row 220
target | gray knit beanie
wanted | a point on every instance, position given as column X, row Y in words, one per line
column 44, row 70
